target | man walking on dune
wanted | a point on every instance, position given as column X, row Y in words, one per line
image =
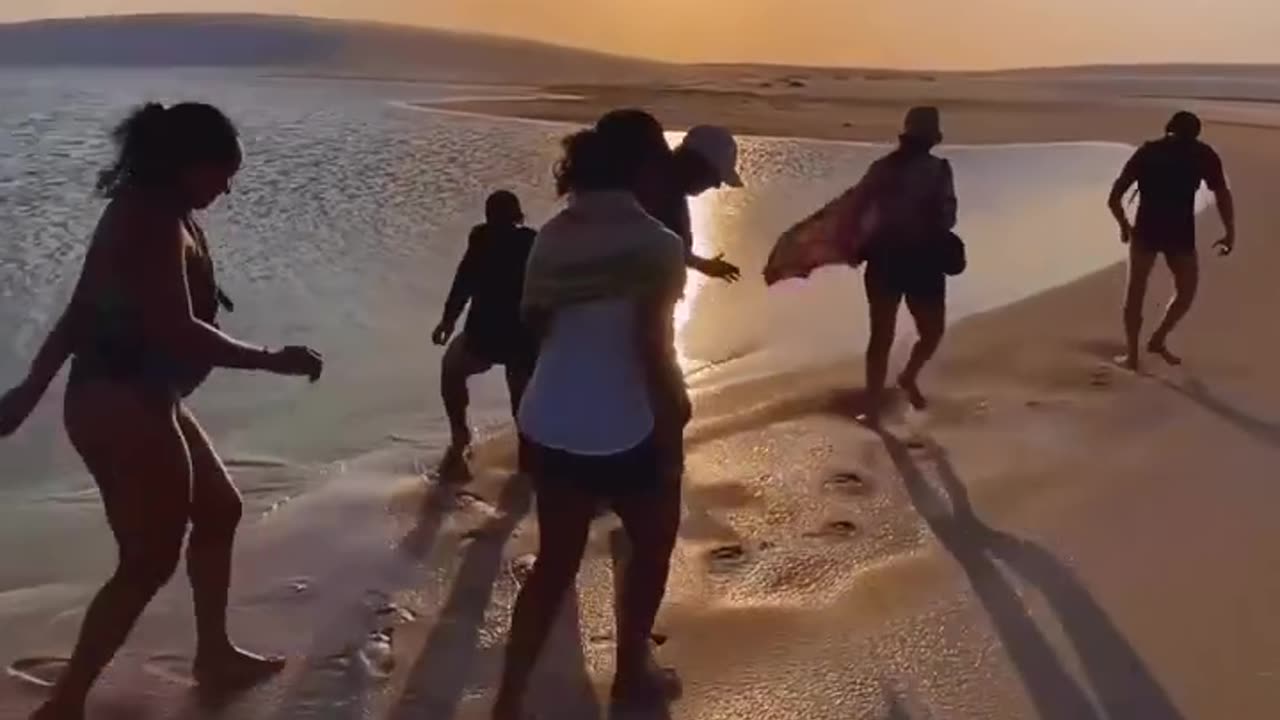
column 1168, row 173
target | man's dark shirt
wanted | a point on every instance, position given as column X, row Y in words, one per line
column 491, row 278
column 1169, row 172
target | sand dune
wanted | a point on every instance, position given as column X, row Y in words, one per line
column 300, row 45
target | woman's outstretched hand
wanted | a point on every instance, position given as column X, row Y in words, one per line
column 16, row 406
column 297, row 361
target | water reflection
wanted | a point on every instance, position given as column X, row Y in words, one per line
column 1030, row 214
column 703, row 212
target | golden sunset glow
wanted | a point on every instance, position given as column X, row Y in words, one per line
column 942, row 34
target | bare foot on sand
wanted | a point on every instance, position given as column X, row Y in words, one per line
column 453, row 466
column 649, row 686
column 234, row 669
column 1161, row 349
column 912, row 388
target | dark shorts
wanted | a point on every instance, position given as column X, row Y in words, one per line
column 908, row 275
column 607, row 476
column 514, row 353
column 1172, row 238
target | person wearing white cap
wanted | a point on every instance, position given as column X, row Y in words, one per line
column 707, row 158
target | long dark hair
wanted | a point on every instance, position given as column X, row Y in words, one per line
column 155, row 144
column 612, row 154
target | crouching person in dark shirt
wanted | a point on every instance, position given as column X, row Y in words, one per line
column 491, row 279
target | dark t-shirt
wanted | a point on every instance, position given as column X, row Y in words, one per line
column 491, row 277
column 1169, row 172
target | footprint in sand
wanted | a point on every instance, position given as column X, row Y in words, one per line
column 395, row 615
column 727, row 557
column 834, row 530
column 471, row 501
column 40, row 672
column 170, row 667
column 607, row 639
column 522, row 566
column 850, row 482
column 1101, row 377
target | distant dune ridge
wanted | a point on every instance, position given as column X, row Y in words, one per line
column 301, row 44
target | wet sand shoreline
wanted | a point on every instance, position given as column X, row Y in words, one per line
column 1055, row 539
column 1091, row 536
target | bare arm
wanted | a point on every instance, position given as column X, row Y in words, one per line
column 53, row 353
column 17, row 404
column 1216, row 179
column 950, row 205
column 668, row 395
column 716, row 267
column 164, row 302
column 461, row 290
column 1227, row 209
column 1115, row 201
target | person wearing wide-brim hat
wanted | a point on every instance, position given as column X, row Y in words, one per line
column 908, row 210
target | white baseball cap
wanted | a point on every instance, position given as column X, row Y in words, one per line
column 717, row 146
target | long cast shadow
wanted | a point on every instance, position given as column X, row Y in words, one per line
column 1264, row 431
column 452, row 654
column 1120, row 683
column 335, row 685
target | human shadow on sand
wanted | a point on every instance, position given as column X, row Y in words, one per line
column 1264, row 431
column 1194, row 389
column 1116, row 684
column 457, row 659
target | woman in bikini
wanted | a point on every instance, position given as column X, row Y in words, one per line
column 141, row 330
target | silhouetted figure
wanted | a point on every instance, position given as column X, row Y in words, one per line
column 909, row 203
column 606, row 400
column 706, row 158
column 1168, row 173
column 490, row 278
column 141, row 327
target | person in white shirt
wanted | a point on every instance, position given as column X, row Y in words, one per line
column 605, row 401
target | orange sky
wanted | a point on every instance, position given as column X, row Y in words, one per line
column 940, row 34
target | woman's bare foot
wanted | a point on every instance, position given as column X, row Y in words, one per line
column 234, row 669
column 1158, row 347
column 912, row 389
column 648, row 686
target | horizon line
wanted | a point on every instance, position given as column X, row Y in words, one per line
column 469, row 32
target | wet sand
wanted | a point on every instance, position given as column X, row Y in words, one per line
column 1056, row 538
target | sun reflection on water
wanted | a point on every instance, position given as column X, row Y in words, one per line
column 702, row 213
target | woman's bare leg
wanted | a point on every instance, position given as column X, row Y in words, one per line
column 139, row 460
column 216, row 510
column 564, row 521
column 931, row 323
column 651, row 521
column 883, row 307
